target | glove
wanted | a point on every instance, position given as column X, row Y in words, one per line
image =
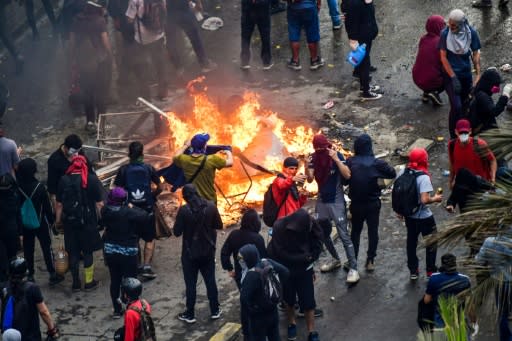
column 456, row 85
column 354, row 44
column 507, row 90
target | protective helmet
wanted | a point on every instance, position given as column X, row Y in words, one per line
column 132, row 287
column 18, row 267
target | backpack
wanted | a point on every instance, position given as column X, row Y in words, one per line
column 138, row 184
column 201, row 246
column 154, row 15
column 270, row 206
column 15, row 309
column 404, row 197
column 29, row 217
column 74, row 201
column 147, row 327
column 272, row 288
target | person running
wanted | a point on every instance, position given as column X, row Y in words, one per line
column 136, row 178
column 30, row 188
column 328, row 169
column 197, row 221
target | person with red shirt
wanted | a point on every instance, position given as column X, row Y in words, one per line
column 285, row 191
column 131, row 288
column 463, row 153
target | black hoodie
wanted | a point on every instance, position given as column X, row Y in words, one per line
column 251, row 295
column 296, row 241
column 360, row 21
column 365, row 170
column 249, row 233
column 482, row 110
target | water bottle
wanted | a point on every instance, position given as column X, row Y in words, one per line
column 354, row 58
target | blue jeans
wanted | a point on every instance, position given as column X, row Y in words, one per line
column 504, row 306
column 306, row 18
column 458, row 102
column 334, row 12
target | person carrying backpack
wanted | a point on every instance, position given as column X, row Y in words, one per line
column 34, row 193
column 261, row 292
column 138, row 324
column 197, row 221
column 136, row 178
column 79, row 201
column 23, row 304
column 422, row 220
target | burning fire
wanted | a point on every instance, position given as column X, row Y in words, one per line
column 258, row 133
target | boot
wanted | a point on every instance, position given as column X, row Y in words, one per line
column 482, row 3
column 77, row 285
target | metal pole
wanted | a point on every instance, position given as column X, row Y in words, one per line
column 153, row 107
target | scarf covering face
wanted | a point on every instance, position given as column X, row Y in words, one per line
column 459, row 42
column 322, row 160
column 418, row 160
column 198, row 143
column 79, row 166
column 116, row 196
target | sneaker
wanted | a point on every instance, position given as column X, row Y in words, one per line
column 313, row 336
column 208, row 67
column 281, row 7
column 295, row 65
column 353, row 276
column 245, row 66
column 370, row 265
column 76, row 286
column 292, row 332
column 330, row 266
column 346, row 266
column 91, row 285
column 268, row 66
column 318, row 313
column 336, row 27
column 503, row 3
column 414, row 275
column 91, row 127
column 317, row 63
column 186, row 317
column 373, row 88
column 30, row 278
column 370, row 96
column 55, row 279
column 216, row 315
column 373, row 68
column 482, row 4
column 148, row 273
column 281, row 306
column 117, row 315
column 425, row 98
column 434, row 97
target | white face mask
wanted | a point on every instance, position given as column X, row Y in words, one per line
column 243, row 265
column 464, row 137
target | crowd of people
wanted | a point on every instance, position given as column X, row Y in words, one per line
column 276, row 276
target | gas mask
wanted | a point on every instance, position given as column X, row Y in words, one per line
column 464, row 137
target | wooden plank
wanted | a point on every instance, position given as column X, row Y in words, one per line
column 419, row 143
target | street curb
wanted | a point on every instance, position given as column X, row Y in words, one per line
column 228, row 332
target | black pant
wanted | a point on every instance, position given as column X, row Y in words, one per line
column 186, row 21
column 73, row 244
column 191, row 268
column 9, row 244
column 119, row 267
column 29, row 240
column 426, row 227
column 4, row 35
column 368, row 211
column 252, row 16
column 148, row 56
column 29, row 10
column 459, row 103
column 95, row 87
column 363, row 69
column 264, row 327
column 326, row 226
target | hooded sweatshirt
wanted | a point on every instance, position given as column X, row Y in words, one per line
column 483, row 111
column 365, row 170
column 251, row 295
column 249, row 233
column 360, row 21
column 427, row 70
column 296, row 241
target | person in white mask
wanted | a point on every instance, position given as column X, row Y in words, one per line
column 471, row 153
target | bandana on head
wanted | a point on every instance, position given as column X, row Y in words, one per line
column 321, row 159
column 198, row 143
column 79, row 166
column 418, row 160
column 116, row 196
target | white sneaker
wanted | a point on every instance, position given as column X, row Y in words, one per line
column 328, row 267
column 353, row 276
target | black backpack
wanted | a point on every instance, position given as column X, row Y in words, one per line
column 404, row 197
column 272, row 287
column 137, row 178
column 154, row 15
column 201, row 246
column 74, row 201
column 16, row 308
column 147, row 327
column 271, row 207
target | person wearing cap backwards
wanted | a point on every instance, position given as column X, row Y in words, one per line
column 459, row 45
column 59, row 162
column 91, row 55
column 123, row 223
column 200, row 168
column 446, row 282
column 327, row 167
column 285, row 191
column 23, row 303
column 471, row 153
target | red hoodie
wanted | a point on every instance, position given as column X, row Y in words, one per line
column 427, row 69
column 132, row 321
column 280, row 188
